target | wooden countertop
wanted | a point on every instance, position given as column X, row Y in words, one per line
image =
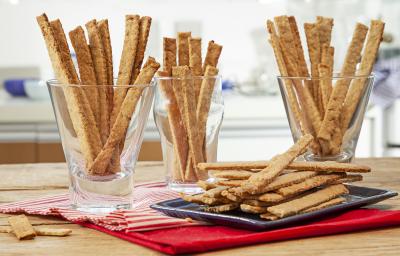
column 26, row 181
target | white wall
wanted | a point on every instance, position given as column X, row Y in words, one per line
column 229, row 22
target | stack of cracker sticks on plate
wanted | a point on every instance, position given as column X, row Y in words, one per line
column 319, row 107
column 100, row 114
column 189, row 99
column 277, row 188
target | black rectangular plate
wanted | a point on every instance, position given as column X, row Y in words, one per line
column 358, row 197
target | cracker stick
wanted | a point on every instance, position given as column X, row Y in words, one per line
column 348, row 179
column 222, row 208
column 169, row 57
column 231, row 196
column 215, row 192
column 178, row 132
column 327, row 204
column 126, row 63
column 233, row 175
column 289, row 53
column 308, row 184
column 252, row 209
column 42, row 231
column 271, row 197
column 268, row 216
column 314, row 52
column 300, row 118
column 21, row 227
column 367, row 63
column 144, row 30
column 325, row 70
column 201, row 199
column 189, row 116
column 183, row 48
column 206, row 185
column 230, row 183
column 328, row 166
column 195, row 63
column 77, row 103
column 254, row 202
column 121, row 124
column 297, row 205
column 213, row 52
column 257, row 181
column 324, row 26
column 334, row 109
column 86, row 66
column 104, row 31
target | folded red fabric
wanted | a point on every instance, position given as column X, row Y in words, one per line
column 207, row 238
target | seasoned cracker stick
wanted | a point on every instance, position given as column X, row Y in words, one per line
column 231, row 196
column 297, row 205
column 126, row 63
column 268, row 216
column 201, row 199
column 183, row 48
column 324, row 26
column 230, row 183
column 288, row 180
column 314, row 52
column 308, row 184
column 301, row 61
column 328, row 166
column 212, row 56
column 255, row 202
column 334, row 109
column 252, row 209
column 233, row 175
column 42, row 231
column 86, row 66
column 128, row 108
column 104, row 30
column 271, row 197
column 21, row 227
column 348, row 179
column 189, row 115
column 206, row 185
column 178, row 132
column 325, row 70
column 169, row 57
column 289, row 53
column 300, row 118
column 222, row 208
column 215, row 192
column 195, row 63
column 367, row 62
column 327, row 204
column 257, row 181
column 100, row 68
column 77, row 103
column 144, row 30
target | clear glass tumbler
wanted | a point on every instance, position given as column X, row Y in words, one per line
column 308, row 101
column 83, row 141
column 181, row 173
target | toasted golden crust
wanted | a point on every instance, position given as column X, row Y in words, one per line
column 257, row 181
column 334, row 109
column 297, row 205
column 144, row 30
column 169, row 59
column 183, row 48
column 213, row 52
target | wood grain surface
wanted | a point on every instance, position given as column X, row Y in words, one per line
column 25, row 181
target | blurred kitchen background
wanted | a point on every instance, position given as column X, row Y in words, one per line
column 255, row 124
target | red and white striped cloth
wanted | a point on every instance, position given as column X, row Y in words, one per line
column 140, row 218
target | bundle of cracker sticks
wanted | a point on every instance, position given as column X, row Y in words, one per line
column 100, row 113
column 277, row 188
column 320, row 107
column 189, row 96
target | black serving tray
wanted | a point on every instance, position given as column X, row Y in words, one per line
column 358, row 197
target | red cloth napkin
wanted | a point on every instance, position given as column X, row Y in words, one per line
column 207, row 238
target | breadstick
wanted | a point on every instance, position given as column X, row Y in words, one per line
column 206, row 185
column 328, row 166
column 183, row 48
column 229, row 183
column 77, row 103
column 42, row 231
column 348, row 178
column 367, row 63
column 144, row 30
column 169, row 58
column 253, row 209
column 179, row 136
column 300, row 118
column 257, row 181
column 21, row 227
column 189, row 116
column 289, row 53
column 325, row 70
column 295, row 206
column 324, row 26
column 195, row 63
column 334, row 109
column 314, row 52
column 213, row 52
column 121, row 124
column 104, row 30
column 233, row 175
column 222, row 208
column 327, row 204
column 100, row 68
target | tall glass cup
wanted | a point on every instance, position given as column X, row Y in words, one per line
column 169, row 115
column 310, row 102
column 87, row 133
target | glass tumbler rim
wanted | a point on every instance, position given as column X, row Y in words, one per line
column 191, row 77
column 336, row 75
column 54, row 82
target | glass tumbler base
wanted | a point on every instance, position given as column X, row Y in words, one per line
column 343, row 157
